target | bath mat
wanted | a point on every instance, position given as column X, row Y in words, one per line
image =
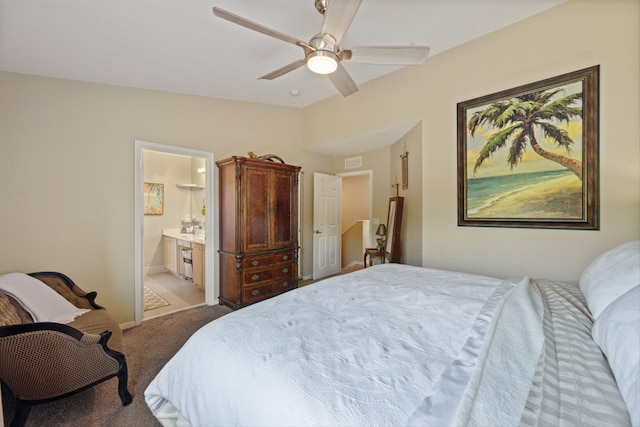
column 153, row 300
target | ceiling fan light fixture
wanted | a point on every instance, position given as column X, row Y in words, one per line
column 322, row 62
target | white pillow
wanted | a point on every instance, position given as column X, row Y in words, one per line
column 617, row 332
column 611, row 275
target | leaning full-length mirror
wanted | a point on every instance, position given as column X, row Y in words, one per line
column 394, row 225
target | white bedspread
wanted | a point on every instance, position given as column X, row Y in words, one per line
column 360, row 349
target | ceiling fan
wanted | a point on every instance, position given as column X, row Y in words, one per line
column 323, row 54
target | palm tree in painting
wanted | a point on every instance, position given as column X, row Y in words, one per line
column 517, row 120
column 153, row 189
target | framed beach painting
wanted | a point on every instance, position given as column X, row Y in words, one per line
column 153, row 198
column 528, row 156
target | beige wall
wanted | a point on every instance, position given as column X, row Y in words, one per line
column 67, row 169
column 575, row 35
column 386, row 167
column 378, row 162
column 411, row 231
column 67, row 151
column 167, row 169
column 170, row 170
column 197, row 196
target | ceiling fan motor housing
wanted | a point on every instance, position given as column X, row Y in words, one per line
column 325, row 42
column 322, row 57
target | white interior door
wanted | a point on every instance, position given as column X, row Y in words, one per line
column 327, row 245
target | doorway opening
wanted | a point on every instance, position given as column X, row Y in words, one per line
column 357, row 218
column 342, row 222
column 183, row 183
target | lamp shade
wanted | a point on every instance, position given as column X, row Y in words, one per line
column 381, row 231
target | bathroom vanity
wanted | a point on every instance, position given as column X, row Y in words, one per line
column 173, row 242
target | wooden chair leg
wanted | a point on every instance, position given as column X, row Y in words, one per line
column 123, row 378
column 22, row 412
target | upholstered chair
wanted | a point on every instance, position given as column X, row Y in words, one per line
column 44, row 361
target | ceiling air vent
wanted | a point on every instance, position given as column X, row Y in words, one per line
column 353, row 162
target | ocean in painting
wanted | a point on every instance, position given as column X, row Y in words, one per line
column 484, row 192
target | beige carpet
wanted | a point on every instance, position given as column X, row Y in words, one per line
column 153, row 300
column 147, row 347
column 345, row 270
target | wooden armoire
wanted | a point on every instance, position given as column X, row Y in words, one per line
column 258, row 230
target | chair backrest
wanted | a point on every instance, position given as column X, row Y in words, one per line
column 393, row 247
column 11, row 313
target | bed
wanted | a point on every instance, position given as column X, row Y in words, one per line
column 402, row 345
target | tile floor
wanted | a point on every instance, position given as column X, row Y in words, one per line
column 178, row 292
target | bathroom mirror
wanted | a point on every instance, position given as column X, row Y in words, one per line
column 394, row 225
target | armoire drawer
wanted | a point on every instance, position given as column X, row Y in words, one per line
column 255, row 276
column 252, row 294
column 266, row 260
column 256, row 293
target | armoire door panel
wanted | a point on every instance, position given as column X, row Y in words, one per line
column 255, row 209
column 283, row 209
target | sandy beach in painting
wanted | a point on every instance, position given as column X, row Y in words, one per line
column 557, row 198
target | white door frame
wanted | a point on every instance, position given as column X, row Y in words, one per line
column 211, row 223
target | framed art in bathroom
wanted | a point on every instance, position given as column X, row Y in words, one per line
column 153, row 198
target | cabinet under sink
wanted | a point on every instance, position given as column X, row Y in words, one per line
column 173, row 260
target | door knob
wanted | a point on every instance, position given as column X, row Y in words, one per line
column 317, row 232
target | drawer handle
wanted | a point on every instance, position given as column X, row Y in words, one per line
column 285, row 258
column 255, row 277
column 285, row 284
column 255, row 263
column 285, row 270
column 255, row 292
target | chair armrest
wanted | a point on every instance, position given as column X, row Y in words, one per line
column 42, row 361
column 16, row 330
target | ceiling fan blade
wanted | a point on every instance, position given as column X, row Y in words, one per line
column 284, row 70
column 343, row 81
column 338, row 17
column 221, row 13
column 387, row 55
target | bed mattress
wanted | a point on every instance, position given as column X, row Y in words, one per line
column 388, row 345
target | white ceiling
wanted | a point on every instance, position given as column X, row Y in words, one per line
column 365, row 142
column 180, row 46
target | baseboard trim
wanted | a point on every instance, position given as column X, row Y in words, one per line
column 127, row 325
column 353, row 264
column 153, row 269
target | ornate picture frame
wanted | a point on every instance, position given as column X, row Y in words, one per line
column 153, row 198
column 405, row 169
column 528, row 156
